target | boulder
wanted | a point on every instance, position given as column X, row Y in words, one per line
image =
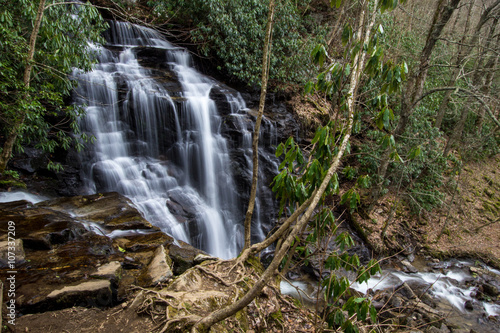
column 159, row 268
column 96, row 293
column 183, row 256
column 490, row 289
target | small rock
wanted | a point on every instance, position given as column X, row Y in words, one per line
column 159, row 269
column 469, row 305
column 203, row 257
column 397, row 302
column 490, row 289
column 8, row 248
column 111, row 271
column 408, row 266
column 183, row 256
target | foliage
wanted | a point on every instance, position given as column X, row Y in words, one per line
column 233, row 31
column 293, row 185
column 62, row 45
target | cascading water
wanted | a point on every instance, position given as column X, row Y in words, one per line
column 158, row 139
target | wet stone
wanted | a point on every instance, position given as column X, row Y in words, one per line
column 8, row 248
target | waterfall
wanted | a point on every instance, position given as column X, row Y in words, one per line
column 158, row 139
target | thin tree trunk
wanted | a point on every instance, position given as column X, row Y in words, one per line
column 255, row 141
column 12, row 136
column 461, row 54
column 490, row 69
column 415, row 85
column 358, row 65
column 457, row 131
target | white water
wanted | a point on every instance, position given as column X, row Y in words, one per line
column 442, row 286
column 156, row 145
column 21, row 195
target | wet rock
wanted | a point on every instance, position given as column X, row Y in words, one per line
column 112, row 210
column 397, row 302
column 40, row 228
column 408, row 267
column 159, row 268
column 182, row 202
column 442, row 329
column 140, row 242
column 406, row 291
column 218, row 94
column 183, row 257
column 469, row 305
column 182, row 215
column 11, row 253
column 31, row 160
column 490, row 289
column 111, row 271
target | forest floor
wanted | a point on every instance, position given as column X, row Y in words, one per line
column 466, row 225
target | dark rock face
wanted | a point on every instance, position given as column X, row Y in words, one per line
column 32, row 166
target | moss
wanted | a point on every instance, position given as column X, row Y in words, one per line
column 277, row 316
column 242, row 318
column 256, row 264
column 12, row 183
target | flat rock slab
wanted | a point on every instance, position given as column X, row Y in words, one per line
column 112, row 210
column 96, row 293
column 111, row 271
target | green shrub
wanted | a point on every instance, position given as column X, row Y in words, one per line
column 233, row 31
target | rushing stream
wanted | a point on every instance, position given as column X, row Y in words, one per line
column 158, row 140
column 451, row 287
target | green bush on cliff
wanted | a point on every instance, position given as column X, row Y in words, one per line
column 41, row 43
column 233, row 31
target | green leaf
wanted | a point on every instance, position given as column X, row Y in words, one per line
column 347, row 70
column 373, row 314
column 319, row 54
column 415, row 152
column 380, row 120
column 279, row 149
column 346, row 34
column 363, row 311
column 380, row 29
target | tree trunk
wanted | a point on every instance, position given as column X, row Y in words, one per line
column 12, row 136
column 255, row 141
column 457, row 131
column 488, row 71
column 216, row 316
column 461, row 54
column 415, row 85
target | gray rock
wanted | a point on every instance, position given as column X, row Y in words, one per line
column 490, row 289
column 203, row 257
column 183, row 256
column 7, row 249
column 111, row 271
column 159, row 268
column 408, row 267
column 442, row 329
column 96, row 293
